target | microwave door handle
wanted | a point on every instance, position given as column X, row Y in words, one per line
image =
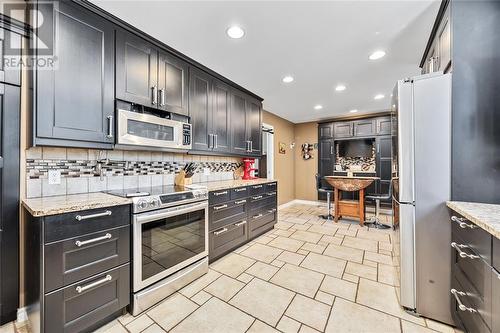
column 169, row 213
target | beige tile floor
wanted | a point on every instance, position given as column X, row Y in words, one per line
column 306, row 275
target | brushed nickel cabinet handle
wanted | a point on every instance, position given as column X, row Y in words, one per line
column 270, row 194
column 461, row 306
column 461, row 223
column 220, row 232
column 92, row 216
column 239, row 189
column 110, row 127
column 80, row 289
column 220, row 207
column 257, row 216
column 461, row 253
column 239, row 224
column 271, row 210
column 216, row 144
column 162, row 97
column 240, row 202
column 93, row 240
column 257, row 186
column 155, row 95
column 220, row 193
column 257, row 197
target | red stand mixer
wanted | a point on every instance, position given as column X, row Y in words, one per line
column 247, row 168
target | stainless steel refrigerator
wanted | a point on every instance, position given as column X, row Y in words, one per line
column 421, row 143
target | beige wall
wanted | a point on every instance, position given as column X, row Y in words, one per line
column 305, row 170
column 284, row 166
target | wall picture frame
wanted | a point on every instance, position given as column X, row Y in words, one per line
column 282, row 148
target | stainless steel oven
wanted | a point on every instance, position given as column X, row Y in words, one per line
column 140, row 129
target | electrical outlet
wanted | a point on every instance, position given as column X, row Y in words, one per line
column 206, row 171
column 54, row 177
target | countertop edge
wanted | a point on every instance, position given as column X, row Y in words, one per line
column 478, row 220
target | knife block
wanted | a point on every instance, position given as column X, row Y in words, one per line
column 182, row 180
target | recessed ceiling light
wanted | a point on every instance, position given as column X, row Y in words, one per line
column 288, row 79
column 340, row 87
column 235, row 32
column 318, row 107
column 379, row 96
column 353, row 111
column 376, row 55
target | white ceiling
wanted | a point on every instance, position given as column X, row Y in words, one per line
column 321, row 44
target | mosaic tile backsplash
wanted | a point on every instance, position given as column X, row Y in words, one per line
column 79, row 169
column 362, row 163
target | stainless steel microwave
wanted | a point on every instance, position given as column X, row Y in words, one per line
column 147, row 130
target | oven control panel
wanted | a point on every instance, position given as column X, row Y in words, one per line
column 154, row 202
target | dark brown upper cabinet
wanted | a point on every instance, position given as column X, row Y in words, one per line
column 383, row 126
column 343, row 129
column 200, row 109
column 246, row 124
column 74, row 102
column 239, row 136
column 364, row 127
column 150, row 77
column 209, row 108
column 325, row 131
column 136, row 70
column 254, row 123
column 172, row 84
column 221, row 125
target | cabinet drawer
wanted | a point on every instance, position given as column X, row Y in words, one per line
column 69, row 225
column 238, row 193
column 257, row 189
column 471, row 235
column 271, row 187
column 81, row 257
column 227, row 238
column 225, row 213
column 261, row 222
column 261, row 200
column 77, row 307
column 474, row 275
column 216, row 197
column 469, row 321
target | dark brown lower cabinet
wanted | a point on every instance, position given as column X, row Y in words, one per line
column 237, row 215
column 78, row 269
column 475, row 285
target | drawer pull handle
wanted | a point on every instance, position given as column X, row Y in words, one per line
column 220, row 207
column 461, row 253
column 220, row 193
column 461, row 223
column 220, row 232
column 257, row 216
column 461, row 306
column 257, row 186
column 239, row 224
column 271, row 210
column 240, row 189
column 92, row 216
column 257, row 197
column 93, row 240
column 81, row 289
column 271, row 194
column 240, row 202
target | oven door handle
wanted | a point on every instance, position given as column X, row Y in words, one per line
column 169, row 212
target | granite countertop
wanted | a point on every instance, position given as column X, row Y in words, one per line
column 486, row 216
column 223, row 184
column 70, row 203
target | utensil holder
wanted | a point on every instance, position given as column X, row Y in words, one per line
column 182, row 180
